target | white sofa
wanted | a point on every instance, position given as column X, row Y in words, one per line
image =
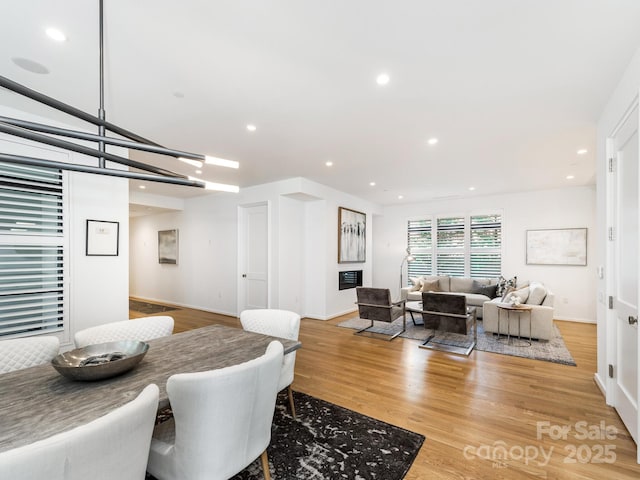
column 470, row 287
column 533, row 294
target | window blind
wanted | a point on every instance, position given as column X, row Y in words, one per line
column 486, row 243
column 31, row 250
column 451, row 232
column 463, row 246
column 419, row 241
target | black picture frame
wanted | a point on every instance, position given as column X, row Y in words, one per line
column 352, row 236
column 102, row 238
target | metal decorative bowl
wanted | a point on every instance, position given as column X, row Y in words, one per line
column 100, row 361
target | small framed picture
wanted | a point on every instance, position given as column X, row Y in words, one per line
column 102, row 238
column 168, row 246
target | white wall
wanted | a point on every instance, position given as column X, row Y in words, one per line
column 574, row 286
column 303, row 250
column 97, row 287
column 626, row 90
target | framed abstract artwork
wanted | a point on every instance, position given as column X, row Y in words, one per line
column 102, row 238
column 352, row 236
column 168, row 246
column 566, row 246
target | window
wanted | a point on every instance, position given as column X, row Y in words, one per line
column 450, row 246
column 31, row 251
column 486, row 245
column 457, row 246
column 419, row 242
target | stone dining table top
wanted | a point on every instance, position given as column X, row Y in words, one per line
column 38, row 402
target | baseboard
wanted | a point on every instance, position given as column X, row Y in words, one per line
column 600, row 384
column 577, row 320
column 186, row 305
column 325, row 317
column 234, row 314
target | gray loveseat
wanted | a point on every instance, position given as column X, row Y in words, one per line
column 477, row 290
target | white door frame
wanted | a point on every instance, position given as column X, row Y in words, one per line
column 611, row 288
column 241, row 261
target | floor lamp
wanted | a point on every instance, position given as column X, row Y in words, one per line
column 407, row 258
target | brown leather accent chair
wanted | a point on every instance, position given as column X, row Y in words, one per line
column 375, row 304
column 446, row 312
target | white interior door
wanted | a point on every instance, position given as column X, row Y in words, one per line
column 626, row 266
column 254, row 258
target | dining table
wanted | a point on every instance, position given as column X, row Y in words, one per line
column 38, row 402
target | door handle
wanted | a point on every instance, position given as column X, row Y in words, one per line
column 244, row 275
column 632, row 320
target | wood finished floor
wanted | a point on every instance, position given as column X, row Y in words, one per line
column 464, row 404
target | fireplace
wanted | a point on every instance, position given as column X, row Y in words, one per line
column 349, row 279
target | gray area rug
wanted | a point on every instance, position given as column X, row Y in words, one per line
column 328, row 442
column 553, row 350
column 147, row 307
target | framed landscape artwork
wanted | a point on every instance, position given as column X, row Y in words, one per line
column 168, row 246
column 557, row 247
column 352, row 236
column 102, row 238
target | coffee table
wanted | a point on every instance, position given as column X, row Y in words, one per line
column 430, row 343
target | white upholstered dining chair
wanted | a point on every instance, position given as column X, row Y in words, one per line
column 141, row 329
column 221, row 420
column 276, row 323
column 115, row 446
column 19, row 353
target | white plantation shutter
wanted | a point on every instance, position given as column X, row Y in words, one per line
column 486, row 246
column 419, row 241
column 31, row 251
column 459, row 246
column 450, row 257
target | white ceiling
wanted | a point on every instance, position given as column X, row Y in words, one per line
column 512, row 89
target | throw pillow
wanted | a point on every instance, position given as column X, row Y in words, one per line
column 537, row 292
column 504, row 283
column 507, row 292
column 522, row 294
column 433, row 286
column 416, row 283
column 488, row 290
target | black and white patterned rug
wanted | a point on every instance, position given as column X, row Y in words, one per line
column 553, row 350
column 328, row 442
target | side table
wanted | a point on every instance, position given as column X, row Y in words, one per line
column 519, row 310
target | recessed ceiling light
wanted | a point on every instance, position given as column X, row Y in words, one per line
column 141, row 187
column 400, row 197
column 471, row 189
column 382, row 79
column 198, row 172
column 432, row 141
column 55, row 34
column 582, row 151
column 373, row 184
column 570, row 177
column 251, row 128
column 30, row 65
column 329, row 163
